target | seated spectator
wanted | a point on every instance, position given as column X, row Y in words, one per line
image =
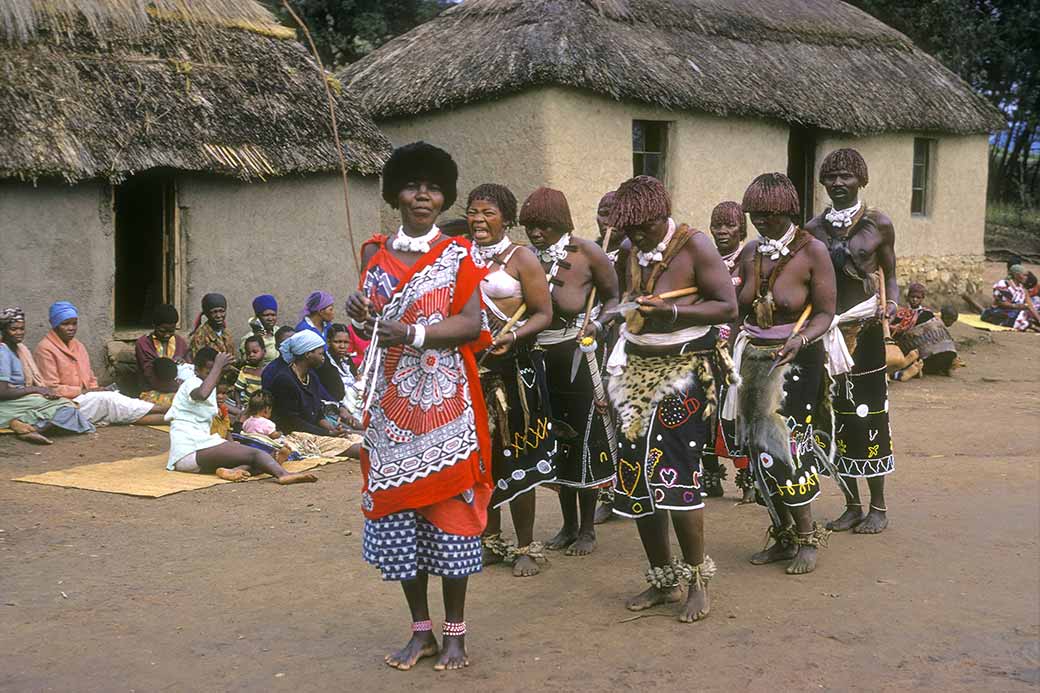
column 211, row 327
column 318, row 313
column 194, row 449
column 164, row 375
column 278, row 365
column 250, row 375
column 299, row 399
column 1029, row 319
column 915, row 313
column 162, row 342
column 65, row 368
column 27, row 406
column 259, row 411
column 1010, row 300
column 341, row 361
column 263, row 324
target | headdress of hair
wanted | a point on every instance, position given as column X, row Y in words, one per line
column 547, row 208
column 639, row 200
column 420, row 161
column 500, row 195
column 771, row 193
column 730, row 213
column 845, row 160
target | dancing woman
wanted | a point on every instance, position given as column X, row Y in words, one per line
column 513, row 376
column 424, row 460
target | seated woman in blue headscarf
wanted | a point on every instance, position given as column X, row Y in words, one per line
column 28, row 407
column 300, row 401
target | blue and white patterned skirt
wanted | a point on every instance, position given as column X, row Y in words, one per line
column 402, row 544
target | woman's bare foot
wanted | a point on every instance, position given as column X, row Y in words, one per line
column 776, row 552
column 583, row 545
column 525, row 566
column 852, row 516
column 697, row 605
column 421, row 645
column 804, row 561
column 604, row 513
column 874, row 523
column 564, row 538
column 35, row 438
column 453, row 654
column 232, row 474
column 300, row 478
column 652, row 597
column 28, row 433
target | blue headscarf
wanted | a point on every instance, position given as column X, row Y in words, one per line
column 299, row 344
column 264, row 302
column 62, row 311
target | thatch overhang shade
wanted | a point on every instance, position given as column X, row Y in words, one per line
column 818, row 63
column 138, row 84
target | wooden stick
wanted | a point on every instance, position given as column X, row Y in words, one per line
column 801, row 319
column 513, row 319
column 592, row 294
column 677, row 293
column 886, row 329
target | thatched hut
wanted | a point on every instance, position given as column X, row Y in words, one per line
column 580, row 94
column 155, row 150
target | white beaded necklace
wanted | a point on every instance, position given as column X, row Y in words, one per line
column 557, row 251
column 483, row 254
column 774, row 248
column 842, row 218
column 657, row 254
column 414, row 244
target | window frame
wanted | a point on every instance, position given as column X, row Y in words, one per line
column 920, row 188
column 663, row 127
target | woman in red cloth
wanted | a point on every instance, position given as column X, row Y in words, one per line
column 427, row 474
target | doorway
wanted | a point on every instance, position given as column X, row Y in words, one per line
column 146, row 246
column 801, row 167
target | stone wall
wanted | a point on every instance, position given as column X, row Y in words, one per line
column 946, row 276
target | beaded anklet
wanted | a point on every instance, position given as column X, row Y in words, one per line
column 422, row 626
column 455, row 630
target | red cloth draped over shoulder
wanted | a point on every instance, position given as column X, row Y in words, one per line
column 427, row 444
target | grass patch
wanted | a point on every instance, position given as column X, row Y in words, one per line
column 1012, row 229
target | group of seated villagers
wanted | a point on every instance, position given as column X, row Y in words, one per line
column 233, row 406
column 1016, row 300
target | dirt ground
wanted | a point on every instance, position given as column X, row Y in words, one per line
column 255, row 587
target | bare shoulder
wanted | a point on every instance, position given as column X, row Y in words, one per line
column 700, row 243
column 817, row 249
column 590, row 249
column 880, row 219
column 523, row 256
column 815, row 226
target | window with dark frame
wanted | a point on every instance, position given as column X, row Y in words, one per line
column 922, row 176
column 649, row 145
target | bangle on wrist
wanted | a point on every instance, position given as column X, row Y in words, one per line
column 805, row 340
column 419, row 338
column 675, row 313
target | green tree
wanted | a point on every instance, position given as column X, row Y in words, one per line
column 345, row 30
column 994, row 45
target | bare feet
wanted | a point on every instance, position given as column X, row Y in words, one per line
column 35, row 438
column 421, row 645
column 583, row 545
column 453, row 655
column 564, row 538
column 697, row 605
column 776, row 552
column 300, row 478
column 232, row 474
column 604, row 513
column 652, row 597
column 804, row 561
column 852, row 516
column 874, row 523
column 525, row 566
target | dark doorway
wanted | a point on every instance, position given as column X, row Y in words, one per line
column 146, row 248
column 801, row 167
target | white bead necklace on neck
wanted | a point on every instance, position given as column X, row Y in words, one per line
column 842, row 218
column 414, row 244
column 774, row 248
column 484, row 254
column 657, row 254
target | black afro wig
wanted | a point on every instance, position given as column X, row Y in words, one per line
column 420, row 161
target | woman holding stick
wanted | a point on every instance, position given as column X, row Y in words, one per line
column 783, row 423
column 425, row 459
column 512, row 375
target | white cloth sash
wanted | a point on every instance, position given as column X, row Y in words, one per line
column 619, row 358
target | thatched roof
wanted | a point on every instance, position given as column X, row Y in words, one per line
column 99, row 88
column 818, row 63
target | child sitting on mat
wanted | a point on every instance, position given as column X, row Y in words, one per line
column 259, row 411
column 164, row 373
